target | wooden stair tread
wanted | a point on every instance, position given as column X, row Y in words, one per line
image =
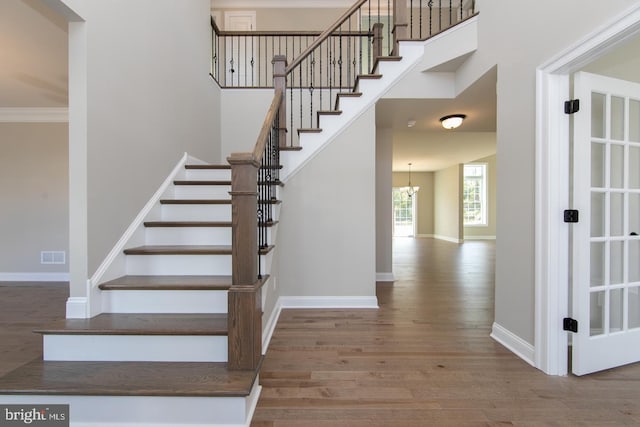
column 180, row 250
column 193, row 379
column 329, row 112
column 166, row 283
column 173, row 224
column 141, row 324
column 291, row 148
column 195, row 201
column 212, row 167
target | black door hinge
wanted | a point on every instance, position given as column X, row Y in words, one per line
column 571, row 106
column 569, row 324
column 571, row 215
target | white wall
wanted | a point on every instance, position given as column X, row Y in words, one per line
column 327, row 231
column 384, row 207
column 447, row 196
column 35, row 199
column 518, row 44
column 149, row 99
column 242, row 114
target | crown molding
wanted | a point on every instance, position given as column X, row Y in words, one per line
column 34, row 115
column 260, row 4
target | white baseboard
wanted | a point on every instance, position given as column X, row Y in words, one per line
column 517, row 345
column 270, row 326
column 447, row 238
column 77, row 308
column 34, row 115
column 385, row 277
column 34, row 277
column 329, row 302
column 479, row 237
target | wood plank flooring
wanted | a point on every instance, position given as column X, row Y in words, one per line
column 425, row 358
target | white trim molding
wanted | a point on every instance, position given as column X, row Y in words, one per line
column 553, row 87
column 514, row 343
column 34, row 115
column 329, row 302
column 479, row 237
column 447, row 238
column 34, row 277
column 77, row 308
column 385, row 277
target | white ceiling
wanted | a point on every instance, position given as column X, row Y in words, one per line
column 428, row 145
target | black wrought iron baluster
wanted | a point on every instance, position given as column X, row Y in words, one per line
column 231, row 69
column 340, row 59
column 320, row 85
column 349, row 54
column 420, row 13
column 411, row 19
column 311, row 66
column 430, row 4
column 450, row 12
column 253, row 62
column 359, row 41
column 461, row 9
column 389, row 44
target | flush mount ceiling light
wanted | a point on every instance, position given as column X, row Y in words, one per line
column 411, row 123
column 452, row 121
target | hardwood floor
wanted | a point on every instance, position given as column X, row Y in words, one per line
column 425, row 358
column 23, row 308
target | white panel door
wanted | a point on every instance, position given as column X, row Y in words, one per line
column 240, row 65
column 606, row 241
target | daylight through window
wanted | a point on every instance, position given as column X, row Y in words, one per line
column 474, row 196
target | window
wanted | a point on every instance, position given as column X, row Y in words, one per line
column 474, row 195
column 403, row 213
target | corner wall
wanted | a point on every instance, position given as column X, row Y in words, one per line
column 149, row 99
column 34, row 188
column 327, row 236
column 447, row 196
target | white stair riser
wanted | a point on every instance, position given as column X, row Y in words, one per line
column 196, row 212
column 149, row 411
column 188, row 235
column 178, row 265
column 208, row 174
column 164, row 301
column 202, row 191
column 135, row 348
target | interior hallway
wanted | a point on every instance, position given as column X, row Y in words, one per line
column 425, row 358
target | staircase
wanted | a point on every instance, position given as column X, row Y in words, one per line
column 161, row 339
column 174, row 329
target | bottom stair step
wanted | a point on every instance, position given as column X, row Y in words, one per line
column 138, row 337
column 136, row 393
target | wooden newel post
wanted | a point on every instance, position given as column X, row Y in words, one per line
column 280, row 82
column 245, row 301
column 377, row 41
column 400, row 24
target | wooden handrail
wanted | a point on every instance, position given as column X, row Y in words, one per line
column 261, row 142
column 325, row 34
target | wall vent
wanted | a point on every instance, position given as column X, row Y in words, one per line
column 53, row 257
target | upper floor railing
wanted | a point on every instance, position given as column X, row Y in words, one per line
column 242, row 59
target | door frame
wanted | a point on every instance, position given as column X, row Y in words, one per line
column 553, row 87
